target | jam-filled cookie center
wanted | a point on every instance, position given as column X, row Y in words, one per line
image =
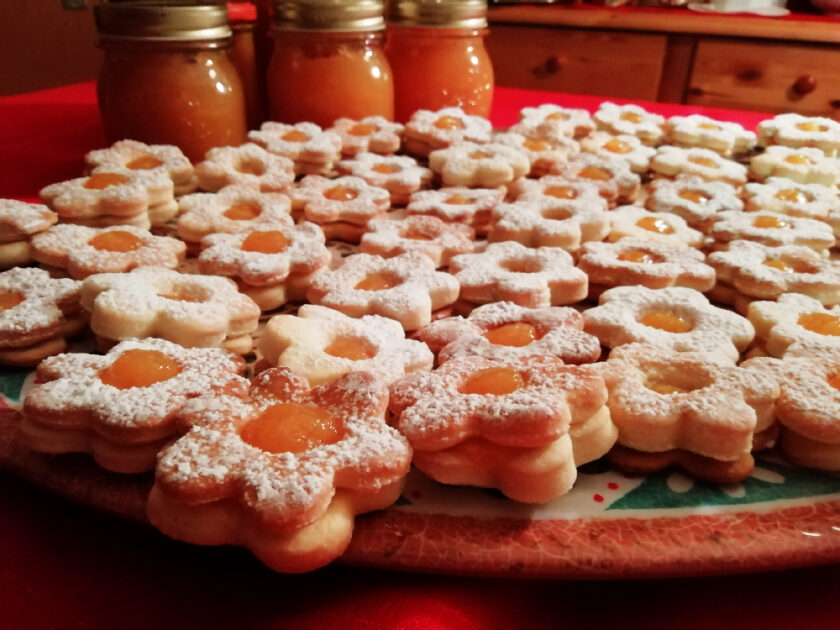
column 378, row 281
column 139, row 368
column 10, row 299
column 703, row 161
column 821, row 323
column 532, row 144
column 250, row 166
column 561, row 192
column 144, row 162
column 386, row 169
column 792, row 195
column 631, row 117
column 655, row 224
column 243, row 211
column 773, row 222
column 349, row 347
column 116, row 241
column 449, row 122
column 459, row 200
column 515, row 334
column 790, row 265
column 292, row 428
column 673, row 382
column 694, row 196
column 557, row 116
column 341, row 193
column 811, row 126
column 798, row 158
column 521, row 265
column 100, row 181
column 295, row 135
column 494, row 381
column 639, row 256
column 595, row 173
column 834, row 380
column 669, row 321
column 618, row 146
column 361, row 130
column 556, row 214
column 265, row 242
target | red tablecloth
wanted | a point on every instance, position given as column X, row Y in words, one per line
column 66, row 566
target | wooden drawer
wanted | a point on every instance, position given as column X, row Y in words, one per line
column 766, row 77
column 604, row 63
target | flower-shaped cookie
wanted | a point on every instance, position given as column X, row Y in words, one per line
column 795, row 130
column 556, row 120
column 672, row 161
column 624, row 147
column 612, row 176
column 427, row 131
column 424, row 234
column 664, row 401
column 662, row 227
column 457, row 204
column 83, row 251
column 121, row 407
column 649, row 263
column 770, row 228
column 189, row 309
column 795, row 320
column 545, row 276
column 676, row 317
column 504, row 331
column 398, row 174
column 542, row 150
column 348, row 199
column 405, row 288
column 372, row 134
column 139, row 156
column 312, row 150
column 696, row 130
column 487, row 423
column 630, row 120
column 803, row 165
column 18, row 222
column 479, row 165
column 321, row 344
column 692, row 198
column 283, row 473
column 785, row 196
column 245, row 165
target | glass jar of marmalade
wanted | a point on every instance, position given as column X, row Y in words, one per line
column 166, row 77
column 328, row 62
column 243, row 52
column 437, row 54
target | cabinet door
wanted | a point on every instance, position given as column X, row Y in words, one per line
column 604, row 63
column 769, row 77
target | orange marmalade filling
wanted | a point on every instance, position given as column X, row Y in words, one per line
column 341, row 193
column 267, row 242
column 797, row 158
column 251, row 167
column 632, row 117
column 417, row 234
column 695, row 196
column 516, row 334
column 116, row 241
column 386, row 169
column 459, row 200
column 144, row 162
column 792, row 195
column 821, row 323
column 481, row 155
column 810, row 125
column 361, row 129
column 707, row 125
column 617, row 146
column 834, row 380
column 449, row 122
column 295, row 135
column 637, row 256
column 494, row 381
column 654, row 224
column 595, row 172
column 703, row 161
column 768, row 221
column 243, row 211
column 793, row 266
column 353, row 348
column 664, row 387
column 667, row 321
column 377, row 281
column 292, row 428
column 104, row 180
column 181, row 296
column 10, row 299
column 558, row 116
column 561, row 192
column 533, row 144
column 139, row 368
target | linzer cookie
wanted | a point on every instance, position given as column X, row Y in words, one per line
column 772, row 229
column 246, row 165
column 611, row 176
column 427, row 131
column 82, row 251
column 795, row 320
column 503, row 331
column 785, row 196
column 795, row 130
column 282, row 473
column 688, row 409
column 19, row 221
column 322, row 344
column 405, row 288
column 803, row 165
column 696, row 130
column 37, row 313
column 624, row 147
column 121, row 408
column 542, row 150
column 692, row 198
column 400, row 175
column 662, row 227
column 138, row 156
column 372, row 134
column 472, row 206
column 676, row 317
column 188, row 309
column 630, row 120
column 424, row 234
column 487, row 165
column 313, row 151
column 555, row 120
column 671, row 161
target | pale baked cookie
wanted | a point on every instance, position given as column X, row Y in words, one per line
column 405, row 288
column 696, row 130
column 662, row 227
column 652, row 264
column 542, row 149
column 785, row 196
column 372, row 134
column 139, row 156
column 313, row 150
column 427, row 131
column 795, row 130
column 770, row 228
column 82, row 251
column 624, row 147
column 692, row 198
column 245, row 165
column 400, row 175
column 630, row 120
column 671, row 161
column 554, row 120
column 545, row 276
column 322, row 344
column 37, row 313
column 272, row 264
column 676, row 317
column 503, row 331
column 283, row 473
column 189, row 309
column 18, row 222
column 804, row 165
column 688, row 409
column 795, row 320
column 557, row 189
column 612, row 176
column 474, row 165
column 472, row 206
column 424, row 234
column 121, row 408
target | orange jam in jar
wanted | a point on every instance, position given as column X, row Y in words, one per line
column 436, row 49
column 243, row 52
column 328, row 62
column 166, row 77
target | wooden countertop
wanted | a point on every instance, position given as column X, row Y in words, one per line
column 799, row 27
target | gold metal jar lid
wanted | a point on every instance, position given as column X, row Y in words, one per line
column 329, row 15
column 169, row 21
column 438, row 13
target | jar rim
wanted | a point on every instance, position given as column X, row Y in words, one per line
column 438, row 13
column 153, row 20
column 329, row 15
